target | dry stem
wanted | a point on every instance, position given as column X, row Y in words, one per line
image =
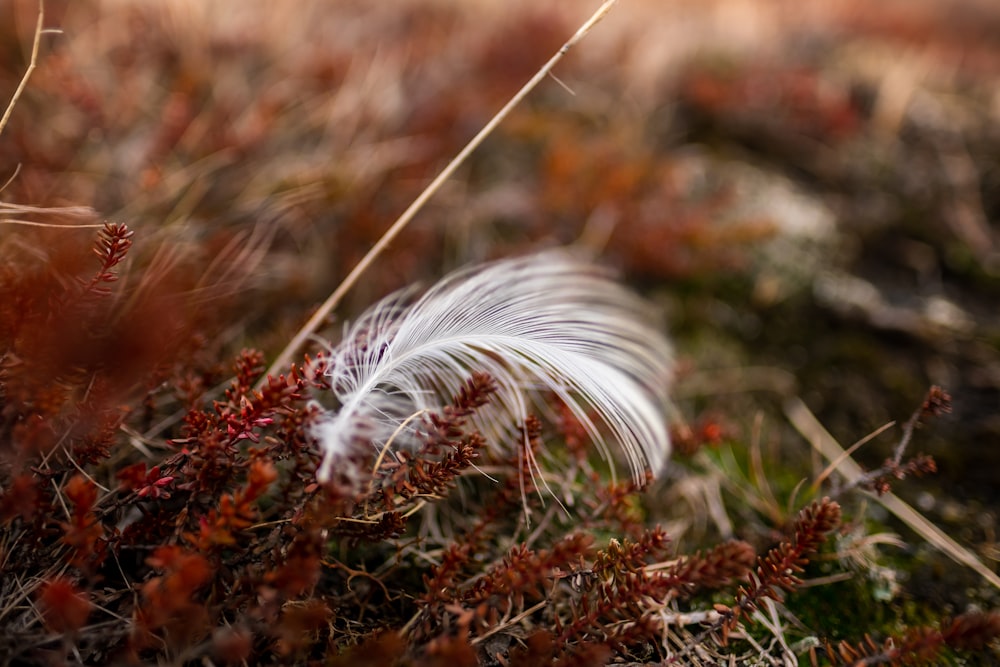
column 333, row 300
column 31, row 67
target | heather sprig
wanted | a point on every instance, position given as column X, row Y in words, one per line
column 936, row 402
column 971, row 631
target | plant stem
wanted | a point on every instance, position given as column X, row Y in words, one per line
column 31, row 67
column 333, row 300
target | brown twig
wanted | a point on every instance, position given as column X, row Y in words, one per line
column 333, row 300
column 31, row 67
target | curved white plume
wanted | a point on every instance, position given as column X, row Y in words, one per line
column 543, row 323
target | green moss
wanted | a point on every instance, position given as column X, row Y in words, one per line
column 848, row 610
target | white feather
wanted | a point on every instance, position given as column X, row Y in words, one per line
column 537, row 324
